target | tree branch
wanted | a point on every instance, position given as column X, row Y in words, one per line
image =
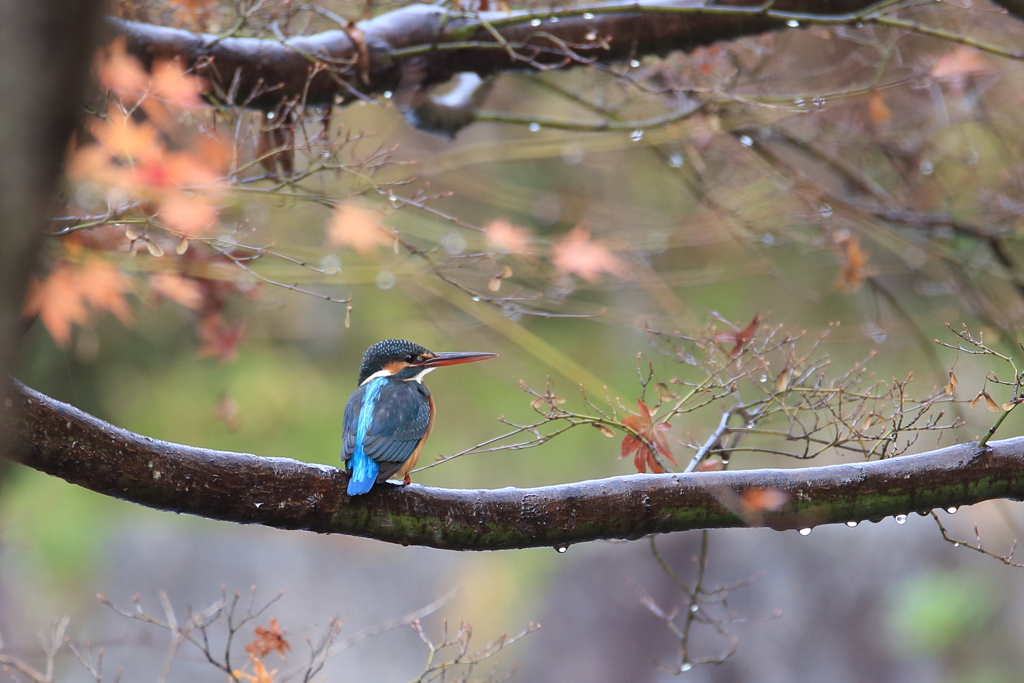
column 60, row 440
column 373, row 55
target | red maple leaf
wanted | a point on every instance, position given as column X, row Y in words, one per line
column 648, row 435
column 739, row 337
column 270, row 639
column 220, row 338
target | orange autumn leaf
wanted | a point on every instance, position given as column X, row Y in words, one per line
column 270, row 639
column 125, row 138
column 131, row 152
column 118, row 71
column 577, row 254
column 103, row 287
column 178, row 289
column 506, row 238
column 763, row 499
column 93, row 163
column 173, row 84
column 58, row 303
column 962, row 61
column 64, row 298
column 649, row 435
column 853, row 270
column 214, row 153
column 259, row 672
column 191, row 215
column 357, row 228
column 878, row 112
column 176, row 170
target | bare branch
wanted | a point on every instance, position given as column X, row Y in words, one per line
column 421, row 45
column 60, row 440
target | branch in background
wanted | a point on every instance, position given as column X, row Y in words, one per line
column 421, row 45
column 60, row 440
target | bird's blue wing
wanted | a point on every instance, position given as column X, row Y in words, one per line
column 393, row 416
column 362, row 469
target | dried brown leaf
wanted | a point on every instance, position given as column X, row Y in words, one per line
column 951, row 384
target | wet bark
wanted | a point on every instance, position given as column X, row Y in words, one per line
column 60, row 440
column 427, row 44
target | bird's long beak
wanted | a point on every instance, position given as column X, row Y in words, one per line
column 454, row 358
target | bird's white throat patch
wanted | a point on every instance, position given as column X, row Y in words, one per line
column 419, row 376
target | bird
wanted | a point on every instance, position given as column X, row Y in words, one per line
column 391, row 412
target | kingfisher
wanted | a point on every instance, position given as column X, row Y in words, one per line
column 391, row 413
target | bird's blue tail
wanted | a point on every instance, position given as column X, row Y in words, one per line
column 364, row 468
column 364, row 473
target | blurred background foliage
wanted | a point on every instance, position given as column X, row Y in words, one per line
column 860, row 175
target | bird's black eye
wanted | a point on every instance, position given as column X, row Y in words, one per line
column 410, row 358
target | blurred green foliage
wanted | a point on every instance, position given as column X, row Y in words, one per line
column 739, row 236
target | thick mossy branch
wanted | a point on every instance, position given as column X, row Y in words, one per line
column 419, row 45
column 60, row 440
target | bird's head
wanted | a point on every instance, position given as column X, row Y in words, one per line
column 404, row 360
